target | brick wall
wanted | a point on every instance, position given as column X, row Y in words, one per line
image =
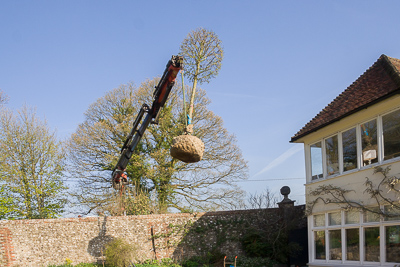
column 51, row 241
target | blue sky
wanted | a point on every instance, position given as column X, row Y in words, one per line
column 284, row 61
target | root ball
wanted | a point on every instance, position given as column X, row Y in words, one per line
column 187, row 148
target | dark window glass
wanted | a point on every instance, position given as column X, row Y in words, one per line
column 391, row 135
column 393, row 243
column 335, row 245
column 352, row 244
column 349, row 139
column 371, row 243
column 332, row 155
column 319, row 239
column 369, row 142
column 373, row 215
column 392, row 213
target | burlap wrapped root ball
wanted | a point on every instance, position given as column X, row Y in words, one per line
column 187, row 148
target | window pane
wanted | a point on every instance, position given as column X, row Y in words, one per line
column 319, row 220
column 369, row 143
column 393, row 243
column 334, row 218
column 349, row 139
column 332, row 155
column 352, row 245
column 316, row 161
column 391, row 135
column 352, row 217
column 392, row 212
column 373, row 215
column 319, row 239
column 335, row 245
column 371, row 243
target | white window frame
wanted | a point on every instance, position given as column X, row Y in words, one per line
column 361, row 226
column 380, row 151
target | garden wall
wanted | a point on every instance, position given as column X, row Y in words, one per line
column 178, row 236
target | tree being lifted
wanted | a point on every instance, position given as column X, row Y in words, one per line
column 152, row 174
column 157, row 182
column 202, row 53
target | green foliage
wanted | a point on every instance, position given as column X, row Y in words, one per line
column 165, row 262
column 190, row 263
column 254, row 245
column 275, row 247
column 89, row 265
column 203, row 53
column 32, row 162
column 255, row 261
column 120, row 253
column 7, row 207
column 80, row 265
column 212, row 258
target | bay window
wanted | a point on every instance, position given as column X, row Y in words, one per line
column 370, row 142
column 356, row 237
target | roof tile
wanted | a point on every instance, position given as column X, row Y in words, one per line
column 380, row 81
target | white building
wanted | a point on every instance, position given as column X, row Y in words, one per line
column 352, row 222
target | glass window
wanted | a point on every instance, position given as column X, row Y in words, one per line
column 392, row 212
column 334, row 218
column 352, row 217
column 332, row 155
column 371, row 243
column 352, row 244
column 335, row 245
column 316, row 161
column 391, row 135
column 349, row 141
column 373, row 215
column 319, row 239
column 369, row 143
column 393, row 243
column 319, row 220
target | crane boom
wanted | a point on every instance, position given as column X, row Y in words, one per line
column 160, row 96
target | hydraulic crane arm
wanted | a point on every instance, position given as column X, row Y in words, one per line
column 160, row 96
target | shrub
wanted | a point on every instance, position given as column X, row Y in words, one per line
column 120, row 253
column 165, row 262
column 190, row 263
column 78, row 265
column 256, row 261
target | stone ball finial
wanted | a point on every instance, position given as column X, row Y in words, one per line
column 285, row 191
column 286, row 202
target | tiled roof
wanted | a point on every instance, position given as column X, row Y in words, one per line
column 379, row 82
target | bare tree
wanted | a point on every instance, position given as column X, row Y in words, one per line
column 206, row 185
column 3, row 98
column 31, row 167
column 264, row 200
column 202, row 53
